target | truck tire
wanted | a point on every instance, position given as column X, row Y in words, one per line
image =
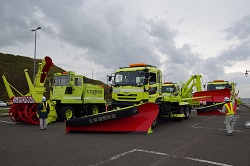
column 94, row 110
column 181, row 111
column 65, row 112
column 155, row 123
column 187, row 112
column 80, row 112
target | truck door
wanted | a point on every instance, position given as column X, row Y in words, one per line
column 78, row 88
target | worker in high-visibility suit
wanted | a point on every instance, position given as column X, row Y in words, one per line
column 43, row 111
column 229, row 109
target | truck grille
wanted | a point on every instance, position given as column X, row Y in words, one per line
column 127, row 97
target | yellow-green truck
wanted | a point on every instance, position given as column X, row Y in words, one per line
column 140, row 82
column 71, row 97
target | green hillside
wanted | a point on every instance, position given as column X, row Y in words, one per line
column 13, row 67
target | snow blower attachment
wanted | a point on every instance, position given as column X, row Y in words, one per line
column 24, row 107
column 212, row 101
column 137, row 118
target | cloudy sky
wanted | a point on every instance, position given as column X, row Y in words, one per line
column 95, row 37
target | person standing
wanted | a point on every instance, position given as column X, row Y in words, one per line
column 43, row 111
column 229, row 109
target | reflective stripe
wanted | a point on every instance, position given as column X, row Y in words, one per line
column 230, row 110
column 72, row 97
column 44, row 107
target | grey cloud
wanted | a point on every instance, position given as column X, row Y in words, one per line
column 19, row 17
column 212, row 68
column 15, row 23
column 112, row 39
column 238, row 52
column 239, row 29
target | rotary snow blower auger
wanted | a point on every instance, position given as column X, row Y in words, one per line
column 24, row 106
column 138, row 118
column 213, row 100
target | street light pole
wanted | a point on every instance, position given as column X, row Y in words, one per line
column 34, row 76
column 166, row 76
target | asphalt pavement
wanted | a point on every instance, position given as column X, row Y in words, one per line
column 200, row 140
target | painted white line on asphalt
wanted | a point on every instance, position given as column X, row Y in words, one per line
column 194, row 126
column 199, row 127
column 206, row 161
column 114, row 158
column 123, row 154
column 8, row 122
column 158, row 153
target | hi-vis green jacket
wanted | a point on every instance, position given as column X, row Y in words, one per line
column 43, row 110
column 229, row 108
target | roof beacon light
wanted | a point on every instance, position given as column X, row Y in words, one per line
column 137, row 65
column 218, row 80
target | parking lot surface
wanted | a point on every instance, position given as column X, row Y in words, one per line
column 200, row 140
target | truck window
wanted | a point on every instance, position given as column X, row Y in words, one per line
column 152, row 78
column 78, row 81
column 61, row 81
column 217, row 86
column 168, row 89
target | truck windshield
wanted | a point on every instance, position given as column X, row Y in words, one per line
column 169, row 89
column 61, row 80
column 217, row 86
column 129, row 78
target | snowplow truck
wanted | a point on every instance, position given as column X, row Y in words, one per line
column 218, row 86
column 24, row 107
column 178, row 102
column 222, row 84
column 142, row 83
column 71, row 97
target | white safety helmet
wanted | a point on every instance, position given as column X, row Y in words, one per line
column 226, row 99
column 43, row 98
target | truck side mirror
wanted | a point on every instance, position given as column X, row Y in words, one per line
column 174, row 88
column 109, row 78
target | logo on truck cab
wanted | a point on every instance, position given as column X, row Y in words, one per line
column 94, row 91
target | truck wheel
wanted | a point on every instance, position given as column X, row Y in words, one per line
column 181, row 111
column 187, row 112
column 65, row 112
column 94, row 110
column 155, row 123
column 79, row 112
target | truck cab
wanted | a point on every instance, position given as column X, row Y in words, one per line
column 169, row 88
column 222, row 84
column 134, row 84
column 219, row 84
column 74, row 98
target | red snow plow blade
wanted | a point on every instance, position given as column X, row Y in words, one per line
column 212, row 95
column 214, row 100
column 130, row 119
